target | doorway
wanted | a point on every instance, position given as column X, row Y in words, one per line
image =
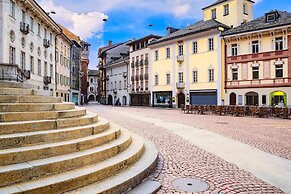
column 181, row 99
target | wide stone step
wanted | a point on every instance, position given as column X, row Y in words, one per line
column 41, row 137
column 33, row 107
column 29, row 99
column 23, row 92
column 45, row 167
column 74, row 179
column 11, row 84
column 41, row 125
column 127, row 178
column 24, row 154
column 29, row 116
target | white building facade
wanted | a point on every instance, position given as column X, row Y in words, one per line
column 27, row 44
column 92, row 89
column 63, row 65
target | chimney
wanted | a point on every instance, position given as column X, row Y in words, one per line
column 110, row 43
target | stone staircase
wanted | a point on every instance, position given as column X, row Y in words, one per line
column 47, row 146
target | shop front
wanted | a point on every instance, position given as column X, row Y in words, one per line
column 203, row 97
column 140, row 99
column 162, row 99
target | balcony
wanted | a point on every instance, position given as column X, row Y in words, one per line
column 132, row 64
column 46, row 43
column 141, row 77
column 180, row 85
column 124, row 74
column 141, row 63
column 146, row 76
column 24, row 28
column 146, row 62
column 136, row 63
column 180, row 58
column 47, row 80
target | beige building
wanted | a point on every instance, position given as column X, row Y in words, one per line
column 27, row 44
column 63, row 66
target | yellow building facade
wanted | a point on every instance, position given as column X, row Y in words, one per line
column 187, row 65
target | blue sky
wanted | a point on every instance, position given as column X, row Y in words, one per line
column 130, row 19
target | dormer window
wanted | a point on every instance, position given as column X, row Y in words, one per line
column 272, row 16
column 213, row 12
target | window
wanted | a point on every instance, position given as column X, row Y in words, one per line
column 210, row 44
column 255, row 72
column 31, row 24
column 45, row 69
column 226, row 9
column 156, row 79
column 181, row 77
column 234, row 74
column 22, row 60
column 51, row 39
column 51, row 70
column 156, row 55
column 168, row 78
column 195, row 76
column 57, row 79
column 234, row 49
column 240, row 100
column 31, row 64
column 38, row 29
column 255, row 46
column 111, row 86
column 181, row 50
column 264, row 99
column 168, row 53
column 12, row 55
column 211, row 75
column 213, row 13
column 115, row 85
column 23, row 16
column 12, row 8
column 245, row 8
column 271, row 18
column 39, row 67
column 125, row 86
column 120, row 85
column 279, row 44
column 279, row 71
column 45, row 33
column 195, row 47
column 91, row 80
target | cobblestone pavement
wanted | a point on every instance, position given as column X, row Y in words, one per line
column 179, row 158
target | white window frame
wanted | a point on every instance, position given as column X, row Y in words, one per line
column 226, row 10
column 255, row 46
column 211, row 75
column 168, row 53
column 181, row 50
column 234, row 49
column 156, row 55
column 156, row 79
column 181, row 77
column 195, row 76
column 211, row 44
column 168, row 78
column 195, row 47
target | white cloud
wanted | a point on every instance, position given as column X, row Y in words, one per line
column 84, row 25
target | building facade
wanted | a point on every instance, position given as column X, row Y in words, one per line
column 75, row 68
column 27, row 44
column 84, row 68
column 117, row 67
column 188, row 64
column 258, row 66
column 63, row 67
column 92, row 91
column 139, row 72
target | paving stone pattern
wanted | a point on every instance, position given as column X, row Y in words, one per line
column 179, row 158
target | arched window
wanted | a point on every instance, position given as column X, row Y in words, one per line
column 252, row 99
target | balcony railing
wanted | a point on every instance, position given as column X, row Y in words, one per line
column 146, row 62
column 24, row 28
column 46, row 43
column 141, row 63
column 180, row 58
column 180, row 85
column 47, row 80
column 270, row 82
